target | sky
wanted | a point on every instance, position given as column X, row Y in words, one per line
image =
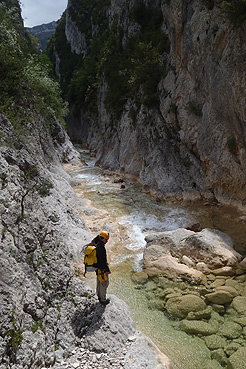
column 37, row 12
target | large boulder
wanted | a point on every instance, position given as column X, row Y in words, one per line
column 181, row 306
column 156, row 263
column 165, row 250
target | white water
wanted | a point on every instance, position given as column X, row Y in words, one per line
column 135, row 215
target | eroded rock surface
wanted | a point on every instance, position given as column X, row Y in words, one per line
column 47, row 315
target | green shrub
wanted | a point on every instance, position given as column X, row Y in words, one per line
column 46, row 91
column 25, row 78
column 232, row 145
column 38, row 325
column 194, row 108
column 235, row 11
column 83, row 86
column 209, row 4
column 12, row 59
column 44, row 189
column 132, row 68
column 15, row 338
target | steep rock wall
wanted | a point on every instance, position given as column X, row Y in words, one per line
column 47, row 314
column 192, row 145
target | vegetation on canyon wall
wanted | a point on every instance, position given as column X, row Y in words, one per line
column 132, row 67
column 26, row 83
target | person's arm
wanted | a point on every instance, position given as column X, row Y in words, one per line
column 102, row 259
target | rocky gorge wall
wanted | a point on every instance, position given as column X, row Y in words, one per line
column 192, row 146
column 49, row 317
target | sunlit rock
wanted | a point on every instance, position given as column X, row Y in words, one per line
column 167, row 265
column 202, row 267
column 187, row 261
column 224, row 271
column 219, row 297
column 210, row 249
column 243, row 263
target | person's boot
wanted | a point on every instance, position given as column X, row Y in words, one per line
column 104, row 302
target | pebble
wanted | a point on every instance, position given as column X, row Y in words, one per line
column 84, row 359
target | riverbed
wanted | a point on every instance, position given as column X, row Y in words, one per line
column 129, row 215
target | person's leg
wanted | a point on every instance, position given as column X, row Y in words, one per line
column 98, row 290
column 101, row 290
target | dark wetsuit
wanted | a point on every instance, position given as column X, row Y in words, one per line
column 102, row 264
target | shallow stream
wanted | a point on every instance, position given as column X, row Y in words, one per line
column 131, row 216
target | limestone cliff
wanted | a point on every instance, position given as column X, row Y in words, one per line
column 184, row 138
column 47, row 314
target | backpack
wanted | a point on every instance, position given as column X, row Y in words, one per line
column 90, row 258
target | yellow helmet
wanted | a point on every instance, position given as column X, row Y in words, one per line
column 104, row 234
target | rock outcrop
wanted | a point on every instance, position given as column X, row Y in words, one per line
column 191, row 255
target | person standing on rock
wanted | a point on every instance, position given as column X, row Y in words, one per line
column 103, row 269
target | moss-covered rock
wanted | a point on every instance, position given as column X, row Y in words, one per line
column 220, row 356
column 197, row 315
column 228, row 289
column 140, row 277
column 211, row 364
column 219, row 297
column 215, row 341
column 197, row 327
column 240, row 320
column 231, row 330
column 180, row 306
column 218, row 308
column 238, row 359
column 239, row 304
column 231, row 348
column 218, row 282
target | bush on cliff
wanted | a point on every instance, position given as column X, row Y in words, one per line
column 235, row 11
column 25, row 81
